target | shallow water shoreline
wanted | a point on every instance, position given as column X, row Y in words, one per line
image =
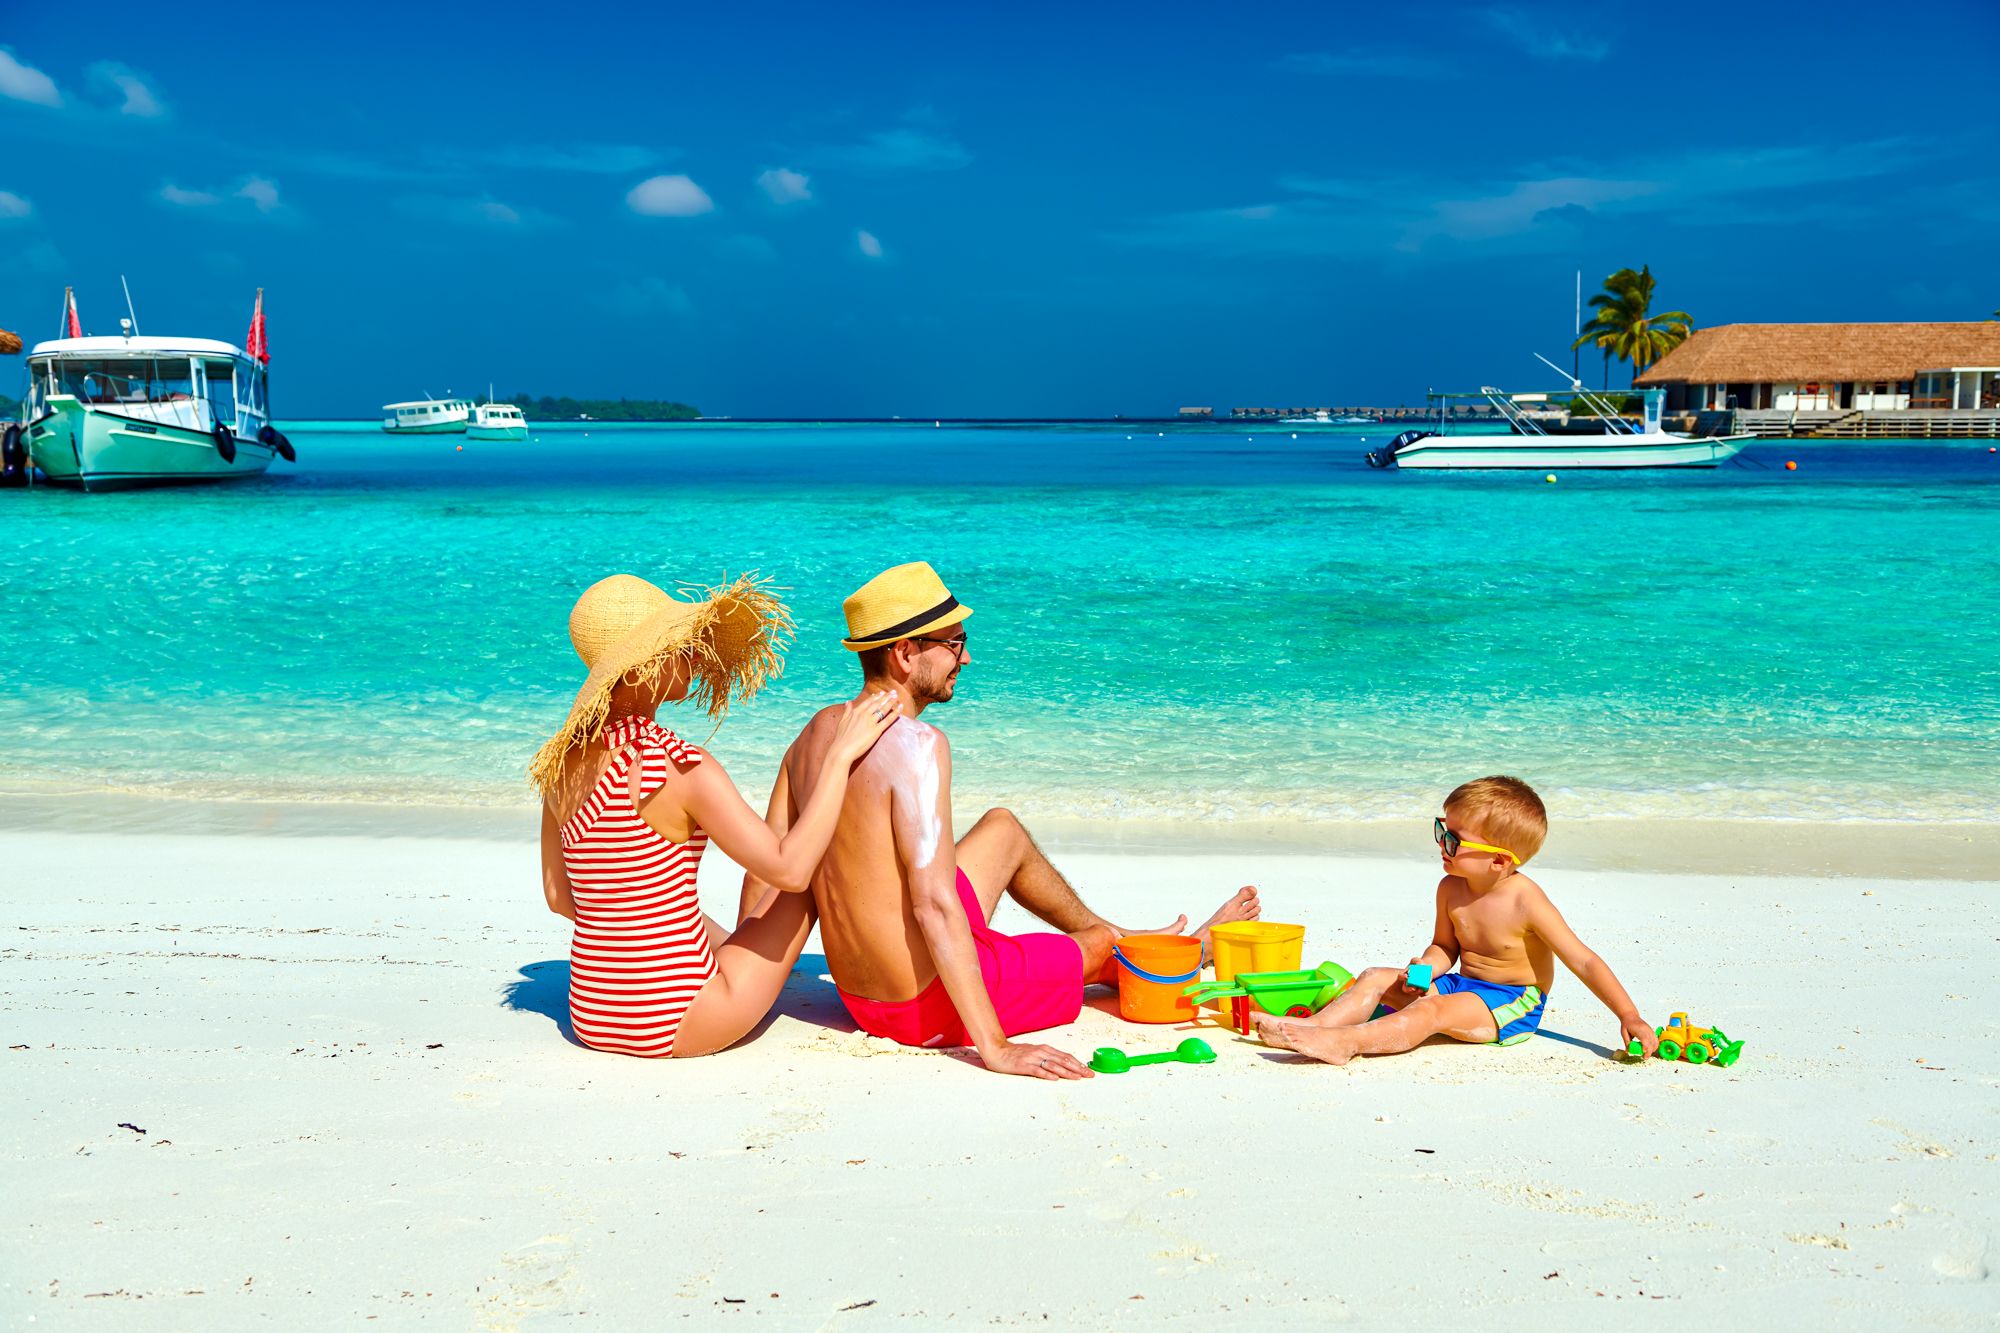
column 1848, row 849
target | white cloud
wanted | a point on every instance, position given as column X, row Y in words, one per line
column 1543, row 40
column 39, row 258
column 669, row 197
column 906, row 149
column 484, row 211
column 174, row 194
column 13, row 205
column 25, row 83
column 1537, row 207
column 785, row 186
column 261, row 192
column 869, row 245
column 139, row 98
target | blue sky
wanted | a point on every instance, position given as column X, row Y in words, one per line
column 982, row 210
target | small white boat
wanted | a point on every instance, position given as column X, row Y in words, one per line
column 1322, row 417
column 1527, row 443
column 497, row 421
column 115, row 413
column 427, row 416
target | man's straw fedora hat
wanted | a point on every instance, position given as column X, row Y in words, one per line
column 625, row 628
column 900, row 603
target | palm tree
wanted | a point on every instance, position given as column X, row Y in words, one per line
column 1624, row 325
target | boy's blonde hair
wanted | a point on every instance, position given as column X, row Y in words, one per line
column 1506, row 810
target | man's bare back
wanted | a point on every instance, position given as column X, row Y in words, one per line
column 905, row 905
column 874, row 946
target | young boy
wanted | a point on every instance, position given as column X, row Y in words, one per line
column 1494, row 922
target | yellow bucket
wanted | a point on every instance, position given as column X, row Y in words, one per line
column 1256, row 946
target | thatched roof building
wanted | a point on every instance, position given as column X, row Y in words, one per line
column 10, row 344
column 1833, row 366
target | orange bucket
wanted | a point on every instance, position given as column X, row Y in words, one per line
column 1153, row 970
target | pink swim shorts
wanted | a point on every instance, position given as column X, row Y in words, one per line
column 1035, row 981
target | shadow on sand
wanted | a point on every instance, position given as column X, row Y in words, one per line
column 1568, row 1040
column 543, row 988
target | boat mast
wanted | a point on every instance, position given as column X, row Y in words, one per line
column 1576, row 348
column 128, row 302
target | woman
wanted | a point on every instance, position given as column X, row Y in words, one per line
column 628, row 808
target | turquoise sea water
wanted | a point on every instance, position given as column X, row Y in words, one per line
column 1208, row 623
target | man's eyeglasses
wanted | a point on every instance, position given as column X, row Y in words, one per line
column 956, row 645
column 1451, row 842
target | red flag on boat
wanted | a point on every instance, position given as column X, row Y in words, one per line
column 256, row 347
column 71, row 328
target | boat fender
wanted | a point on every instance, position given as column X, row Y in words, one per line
column 273, row 438
column 13, row 458
column 225, row 442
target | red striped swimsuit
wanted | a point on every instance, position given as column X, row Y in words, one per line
column 640, row 953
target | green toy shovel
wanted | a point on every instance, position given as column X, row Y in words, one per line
column 1193, row 1051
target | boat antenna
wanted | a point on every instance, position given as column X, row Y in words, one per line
column 128, row 302
column 1576, row 348
column 1575, row 384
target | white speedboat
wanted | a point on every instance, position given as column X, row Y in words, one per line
column 497, row 421
column 427, row 416
column 1527, row 443
column 114, row 413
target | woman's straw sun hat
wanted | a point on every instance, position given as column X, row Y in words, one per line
column 624, row 628
column 900, row 603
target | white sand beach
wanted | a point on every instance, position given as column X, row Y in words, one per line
column 319, row 1080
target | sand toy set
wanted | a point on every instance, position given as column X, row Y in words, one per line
column 1257, row 969
column 1256, row 964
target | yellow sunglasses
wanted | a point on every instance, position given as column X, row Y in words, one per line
column 1451, row 842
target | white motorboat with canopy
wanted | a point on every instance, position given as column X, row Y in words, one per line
column 109, row 413
column 1528, row 441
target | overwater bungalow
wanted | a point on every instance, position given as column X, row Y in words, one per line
column 1839, row 379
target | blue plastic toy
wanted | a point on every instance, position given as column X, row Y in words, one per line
column 1420, row 976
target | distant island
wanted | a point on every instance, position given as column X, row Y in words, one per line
column 603, row 409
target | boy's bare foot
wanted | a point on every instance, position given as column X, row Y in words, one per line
column 1333, row 1045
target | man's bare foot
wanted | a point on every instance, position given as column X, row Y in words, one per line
column 1242, row 906
column 1333, row 1045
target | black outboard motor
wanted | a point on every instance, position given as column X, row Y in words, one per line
column 1386, row 457
column 13, row 459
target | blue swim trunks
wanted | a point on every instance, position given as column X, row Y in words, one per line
column 1517, row 1010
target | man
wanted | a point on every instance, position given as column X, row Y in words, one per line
column 903, row 907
